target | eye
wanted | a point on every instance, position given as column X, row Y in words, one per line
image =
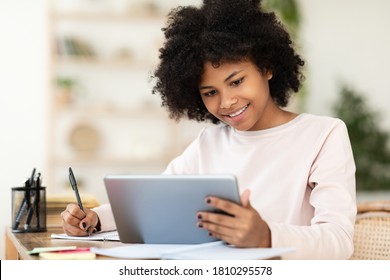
column 210, row 93
column 237, row 82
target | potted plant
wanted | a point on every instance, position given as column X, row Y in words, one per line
column 66, row 87
column 370, row 142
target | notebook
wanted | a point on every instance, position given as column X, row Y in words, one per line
column 161, row 209
column 99, row 236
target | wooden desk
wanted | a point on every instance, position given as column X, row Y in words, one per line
column 18, row 244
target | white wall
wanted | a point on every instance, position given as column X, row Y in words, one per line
column 23, row 94
column 347, row 41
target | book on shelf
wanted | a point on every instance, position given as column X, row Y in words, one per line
column 71, row 46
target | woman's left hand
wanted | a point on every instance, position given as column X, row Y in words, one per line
column 244, row 228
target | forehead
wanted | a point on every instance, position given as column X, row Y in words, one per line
column 224, row 69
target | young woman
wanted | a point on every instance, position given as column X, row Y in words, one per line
column 230, row 63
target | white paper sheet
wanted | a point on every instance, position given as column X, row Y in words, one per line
column 220, row 251
column 206, row 251
column 138, row 251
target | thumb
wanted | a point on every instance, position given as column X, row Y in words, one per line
column 87, row 227
column 84, row 225
column 245, row 198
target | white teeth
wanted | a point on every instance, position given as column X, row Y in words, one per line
column 239, row 112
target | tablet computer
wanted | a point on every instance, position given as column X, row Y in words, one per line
column 161, row 209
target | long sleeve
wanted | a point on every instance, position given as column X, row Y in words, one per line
column 106, row 217
column 301, row 176
column 332, row 180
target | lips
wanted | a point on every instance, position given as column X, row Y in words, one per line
column 237, row 113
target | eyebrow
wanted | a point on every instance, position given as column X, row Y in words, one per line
column 226, row 79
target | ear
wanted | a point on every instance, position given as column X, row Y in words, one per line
column 269, row 75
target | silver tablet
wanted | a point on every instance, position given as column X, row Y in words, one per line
column 161, row 209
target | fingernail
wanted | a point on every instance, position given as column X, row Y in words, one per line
column 200, row 225
column 199, row 216
column 208, row 201
column 210, row 234
column 84, row 225
column 94, row 230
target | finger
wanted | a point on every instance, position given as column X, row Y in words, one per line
column 216, row 228
column 72, row 230
column 90, row 219
column 227, row 238
column 245, row 198
column 224, row 205
column 86, row 225
column 231, row 208
column 235, row 238
column 83, row 225
column 91, row 230
column 238, row 221
column 216, row 218
column 75, row 211
column 72, row 224
column 68, row 218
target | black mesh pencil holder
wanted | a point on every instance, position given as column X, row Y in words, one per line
column 29, row 209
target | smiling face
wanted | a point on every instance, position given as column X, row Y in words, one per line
column 238, row 95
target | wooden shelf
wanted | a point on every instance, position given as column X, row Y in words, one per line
column 111, row 75
column 109, row 16
column 146, row 112
column 102, row 63
column 109, row 161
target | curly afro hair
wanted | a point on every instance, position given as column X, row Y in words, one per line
column 222, row 31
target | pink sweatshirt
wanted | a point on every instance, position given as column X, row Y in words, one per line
column 301, row 175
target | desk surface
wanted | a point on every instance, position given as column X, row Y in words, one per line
column 18, row 244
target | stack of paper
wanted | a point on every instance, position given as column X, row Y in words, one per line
column 63, row 253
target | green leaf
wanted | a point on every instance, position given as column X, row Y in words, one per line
column 370, row 142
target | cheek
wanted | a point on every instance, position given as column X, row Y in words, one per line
column 262, row 92
column 211, row 105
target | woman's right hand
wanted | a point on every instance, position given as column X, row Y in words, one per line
column 75, row 222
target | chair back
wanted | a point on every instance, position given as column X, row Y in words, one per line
column 372, row 231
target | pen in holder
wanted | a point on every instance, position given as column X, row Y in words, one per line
column 29, row 208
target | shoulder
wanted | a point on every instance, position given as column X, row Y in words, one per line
column 324, row 129
column 323, row 123
column 216, row 129
column 318, row 119
column 214, row 132
column 208, row 137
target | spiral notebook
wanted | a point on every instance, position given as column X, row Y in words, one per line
column 100, row 236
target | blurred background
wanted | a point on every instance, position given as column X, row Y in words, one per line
column 75, row 89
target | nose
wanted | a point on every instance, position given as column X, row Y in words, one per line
column 227, row 101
